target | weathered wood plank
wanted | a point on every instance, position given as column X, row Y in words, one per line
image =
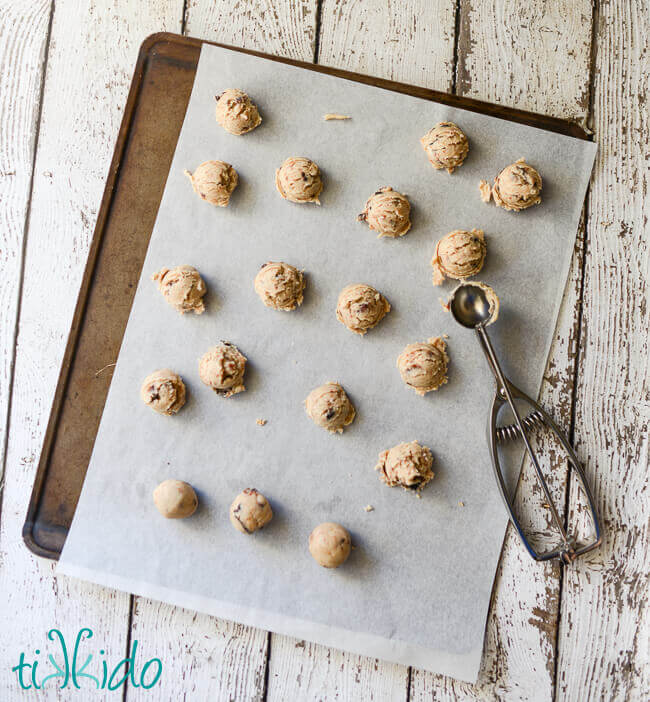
column 603, row 636
column 89, row 68
column 496, row 44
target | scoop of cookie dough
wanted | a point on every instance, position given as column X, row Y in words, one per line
column 387, row 212
column 329, row 407
column 280, row 286
column 250, row 511
column 175, row 499
column 516, row 188
column 361, row 307
column 446, row 146
column 214, row 181
column 222, row 369
column 164, row 391
column 330, row 544
column 236, row 113
column 408, row 465
column 299, row 180
column 423, row 366
column 459, row 255
column 182, row 287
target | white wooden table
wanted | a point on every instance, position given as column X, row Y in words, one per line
column 65, row 67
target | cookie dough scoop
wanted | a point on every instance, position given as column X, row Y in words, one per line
column 280, row 286
column 299, row 180
column 236, row 113
column 360, row 307
column 446, row 146
column 329, row 407
column 423, row 366
column 408, row 464
column 516, row 188
column 459, row 254
column 387, row 212
column 330, row 544
column 182, row 287
column 214, row 182
column 163, row 391
column 250, row 511
column 175, row 499
column 222, row 369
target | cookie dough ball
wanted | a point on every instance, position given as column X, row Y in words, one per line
column 408, row 465
column 214, row 181
column 250, row 511
column 175, row 499
column 299, row 180
column 459, row 255
column 330, row 544
column 182, row 287
column 517, row 187
column 423, row 366
column 361, row 307
column 222, row 369
column 164, row 391
column 446, row 146
column 387, row 212
column 329, row 407
column 236, row 113
column 280, row 286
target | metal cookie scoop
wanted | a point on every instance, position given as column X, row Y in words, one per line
column 474, row 306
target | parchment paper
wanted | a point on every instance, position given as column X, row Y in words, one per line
column 417, row 587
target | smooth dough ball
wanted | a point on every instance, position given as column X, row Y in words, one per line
column 408, row 465
column 280, row 286
column 387, row 212
column 222, row 368
column 214, row 181
column 517, row 187
column 423, row 366
column 446, row 146
column 459, row 255
column 182, row 287
column 299, row 180
column 361, row 307
column 330, row 544
column 175, row 499
column 329, row 407
column 236, row 113
column 250, row 511
column 164, row 391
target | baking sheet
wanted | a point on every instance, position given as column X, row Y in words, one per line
column 417, row 587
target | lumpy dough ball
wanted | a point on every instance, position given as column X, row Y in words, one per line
column 408, row 465
column 361, row 307
column 182, row 287
column 236, row 113
column 330, row 544
column 175, row 499
column 250, row 511
column 299, row 180
column 222, row 369
column 214, row 182
column 459, row 255
column 517, row 187
column 280, row 286
column 446, row 146
column 387, row 212
column 164, row 391
column 423, row 366
column 329, row 407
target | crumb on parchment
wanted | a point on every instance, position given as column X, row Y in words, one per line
column 335, row 115
column 369, row 508
column 461, row 504
column 261, row 422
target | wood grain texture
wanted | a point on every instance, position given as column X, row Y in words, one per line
column 604, row 641
column 92, row 50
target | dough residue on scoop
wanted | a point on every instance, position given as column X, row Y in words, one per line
column 175, row 499
column 387, row 212
column 182, row 287
column 517, row 187
column 330, row 544
column 236, row 113
column 423, row 365
column 328, row 406
column 299, row 180
column 460, row 255
column 408, row 464
column 214, row 182
column 446, row 146
column 360, row 307
column 280, row 286
column 222, row 369
column 250, row 511
column 163, row 391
